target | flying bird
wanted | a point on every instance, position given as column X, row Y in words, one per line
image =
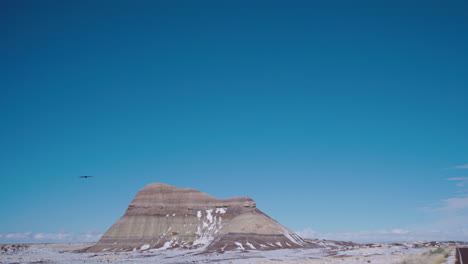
column 85, row 177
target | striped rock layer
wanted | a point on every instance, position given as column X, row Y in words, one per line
column 162, row 216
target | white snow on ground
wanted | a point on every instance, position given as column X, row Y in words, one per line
column 166, row 245
column 202, row 240
column 374, row 254
column 250, row 245
column 208, row 229
column 220, row 210
column 292, row 237
column 209, row 216
column 392, row 250
column 239, row 245
column 451, row 258
column 145, row 246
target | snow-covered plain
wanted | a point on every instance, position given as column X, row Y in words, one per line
column 359, row 253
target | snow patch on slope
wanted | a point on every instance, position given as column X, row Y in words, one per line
column 208, row 229
column 239, row 245
column 250, row 245
column 209, row 216
column 144, row 247
column 220, row 210
column 293, row 237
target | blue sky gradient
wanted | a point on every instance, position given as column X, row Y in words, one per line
column 337, row 116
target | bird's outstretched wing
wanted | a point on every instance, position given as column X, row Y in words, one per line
column 86, row 176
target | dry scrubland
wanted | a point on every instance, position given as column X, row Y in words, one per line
column 430, row 256
column 435, row 256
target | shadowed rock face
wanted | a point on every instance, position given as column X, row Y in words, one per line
column 163, row 216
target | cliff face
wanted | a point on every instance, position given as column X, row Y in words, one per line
column 162, row 216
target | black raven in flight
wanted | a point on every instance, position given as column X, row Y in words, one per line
column 84, row 177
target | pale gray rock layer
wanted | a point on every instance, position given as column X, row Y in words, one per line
column 163, row 216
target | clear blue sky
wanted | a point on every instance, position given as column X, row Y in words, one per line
column 339, row 116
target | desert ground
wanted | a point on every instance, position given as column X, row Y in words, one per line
column 397, row 253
